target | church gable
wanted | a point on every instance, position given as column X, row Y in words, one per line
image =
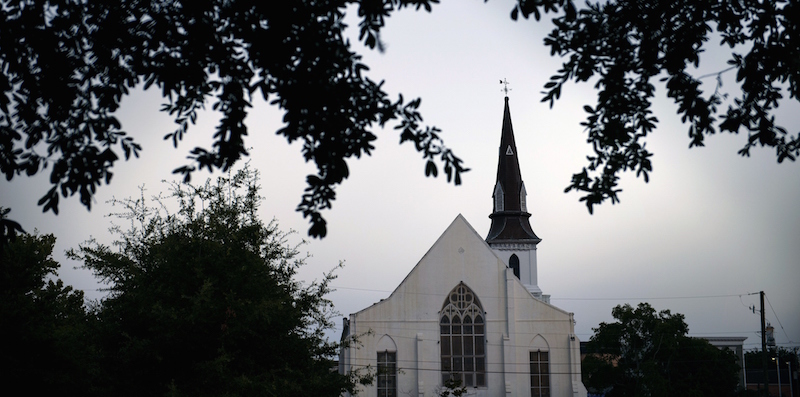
column 459, row 255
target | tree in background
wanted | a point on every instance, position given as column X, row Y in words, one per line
column 66, row 65
column 787, row 359
column 203, row 302
column 47, row 347
column 753, row 358
column 645, row 353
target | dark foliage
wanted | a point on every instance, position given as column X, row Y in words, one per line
column 787, row 359
column 45, row 331
column 204, row 302
column 9, row 229
column 201, row 302
column 67, row 64
column 623, row 45
column 645, row 353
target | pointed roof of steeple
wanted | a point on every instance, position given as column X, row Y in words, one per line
column 508, row 173
column 510, row 217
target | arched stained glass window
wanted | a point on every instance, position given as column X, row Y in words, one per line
column 463, row 337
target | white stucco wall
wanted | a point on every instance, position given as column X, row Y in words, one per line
column 516, row 323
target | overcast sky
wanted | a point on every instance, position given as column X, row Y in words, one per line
column 708, row 230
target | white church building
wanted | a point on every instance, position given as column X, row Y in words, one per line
column 471, row 310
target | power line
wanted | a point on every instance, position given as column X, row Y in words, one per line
column 558, row 299
column 648, row 298
column 779, row 320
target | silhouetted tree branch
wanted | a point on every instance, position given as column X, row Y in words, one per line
column 622, row 45
column 66, row 65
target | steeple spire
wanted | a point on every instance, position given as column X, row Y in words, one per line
column 511, row 236
column 510, row 217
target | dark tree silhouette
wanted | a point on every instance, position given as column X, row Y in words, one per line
column 205, row 302
column 647, row 353
column 622, row 45
column 46, row 327
column 66, row 65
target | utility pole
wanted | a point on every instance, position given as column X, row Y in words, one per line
column 778, row 367
column 764, row 345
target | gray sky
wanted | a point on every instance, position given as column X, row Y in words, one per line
column 710, row 227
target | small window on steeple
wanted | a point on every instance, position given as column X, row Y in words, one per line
column 513, row 263
column 509, row 152
column 498, row 198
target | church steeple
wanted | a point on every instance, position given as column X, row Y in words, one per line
column 511, row 236
column 510, row 215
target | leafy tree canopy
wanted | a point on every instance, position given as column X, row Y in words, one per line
column 623, row 45
column 787, row 358
column 45, row 323
column 66, row 65
column 203, row 302
column 647, row 353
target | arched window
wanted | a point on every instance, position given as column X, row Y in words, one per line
column 513, row 263
column 463, row 337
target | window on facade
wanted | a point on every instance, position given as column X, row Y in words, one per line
column 387, row 374
column 540, row 374
column 513, row 263
column 463, row 338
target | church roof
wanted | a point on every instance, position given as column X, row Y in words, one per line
column 510, row 217
column 458, row 255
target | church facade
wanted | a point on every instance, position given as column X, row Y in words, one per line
column 471, row 311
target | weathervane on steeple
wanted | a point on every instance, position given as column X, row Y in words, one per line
column 505, row 86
